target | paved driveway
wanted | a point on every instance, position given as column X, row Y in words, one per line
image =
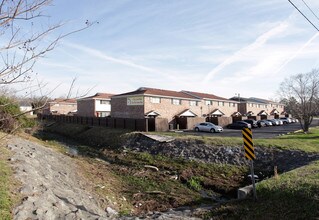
column 264, row 132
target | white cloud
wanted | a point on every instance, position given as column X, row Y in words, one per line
column 246, row 51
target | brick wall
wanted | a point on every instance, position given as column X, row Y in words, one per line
column 166, row 108
column 86, row 108
column 120, row 109
column 256, row 108
column 61, row 108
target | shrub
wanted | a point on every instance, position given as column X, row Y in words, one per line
column 10, row 118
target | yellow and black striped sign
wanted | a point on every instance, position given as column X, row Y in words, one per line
column 248, row 144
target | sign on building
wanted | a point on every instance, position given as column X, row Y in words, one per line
column 137, row 100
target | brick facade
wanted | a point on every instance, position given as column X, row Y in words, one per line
column 86, row 108
column 257, row 106
column 98, row 105
column 168, row 104
column 60, row 106
column 120, row 109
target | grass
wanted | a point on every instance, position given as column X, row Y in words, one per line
column 293, row 195
column 294, row 141
column 7, row 199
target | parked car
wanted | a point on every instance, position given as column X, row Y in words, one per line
column 296, row 120
column 275, row 122
column 208, row 126
column 285, row 120
column 267, row 122
column 260, row 123
column 239, row 125
column 252, row 122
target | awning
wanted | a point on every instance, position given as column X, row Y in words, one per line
column 274, row 112
column 187, row 113
column 217, row 112
column 236, row 114
column 262, row 112
column 152, row 113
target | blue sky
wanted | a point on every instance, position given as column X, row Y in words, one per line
column 212, row 46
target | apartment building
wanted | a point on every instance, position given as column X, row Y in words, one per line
column 98, row 105
column 151, row 102
column 258, row 107
column 60, row 106
column 215, row 106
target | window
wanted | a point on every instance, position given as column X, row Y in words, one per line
column 155, row 100
column 176, row 101
column 208, row 102
column 102, row 114
column 193, row 103
column 250, row 104
column 104, row 102
column 221, row 103
column 266, row 106
column 258, row 105
column 232, row 104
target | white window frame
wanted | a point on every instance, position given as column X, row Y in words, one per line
column 192, row 103
column 208, row 102
column 176, row 101
column 155, row 100
column 104, row 102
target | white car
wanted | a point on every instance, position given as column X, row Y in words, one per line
column 209, row 127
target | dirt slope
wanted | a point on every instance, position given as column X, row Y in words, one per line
column 50, row 185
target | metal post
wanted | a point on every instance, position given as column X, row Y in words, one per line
column 253, row 179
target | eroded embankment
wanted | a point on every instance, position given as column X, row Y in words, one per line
column 267, row 157
column 188, row 149
column 178, row 181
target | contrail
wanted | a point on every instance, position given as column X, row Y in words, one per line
column 298, row 52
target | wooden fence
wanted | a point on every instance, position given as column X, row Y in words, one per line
column 120, row 123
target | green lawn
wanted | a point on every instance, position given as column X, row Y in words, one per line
column 295, row 141
column 293, row 195
column 5, row 173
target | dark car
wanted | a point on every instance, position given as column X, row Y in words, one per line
column 239, row 125
column 252, row 122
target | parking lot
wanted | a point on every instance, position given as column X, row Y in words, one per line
column 264, row 132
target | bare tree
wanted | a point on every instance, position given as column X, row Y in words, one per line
column 21, row 47
column 24, row 38
column 301, row 92
column 78, row 94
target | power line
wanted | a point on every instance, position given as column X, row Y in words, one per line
column 303, row 15
column 310, row 9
